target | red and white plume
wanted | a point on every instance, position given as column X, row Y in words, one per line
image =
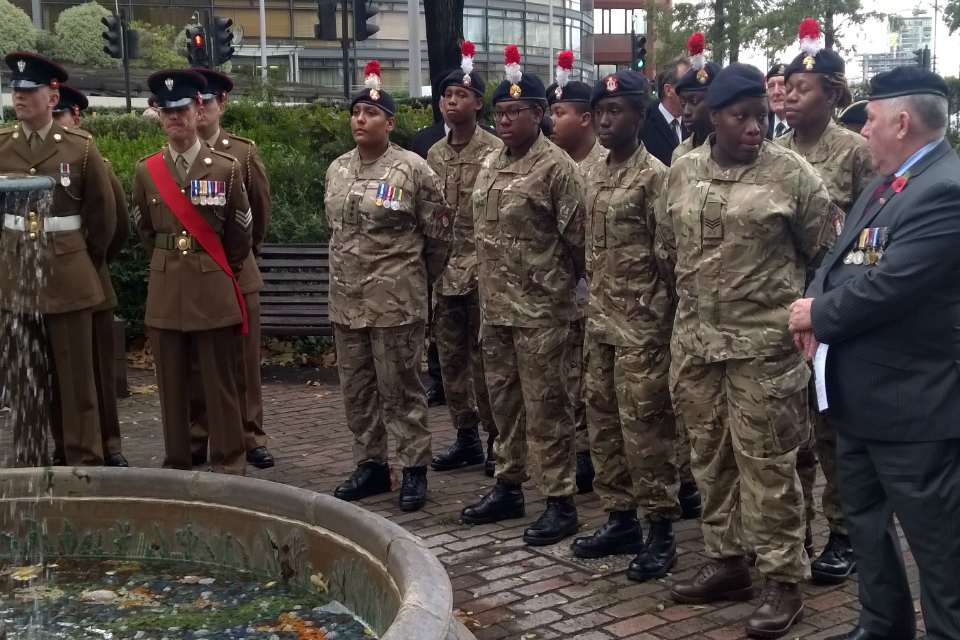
column 564, row 67
column 810, row 42
column 512, row 64
column 466, row 62
column 696, row 45
column 372, row 75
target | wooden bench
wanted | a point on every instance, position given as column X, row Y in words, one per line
column 293, row 301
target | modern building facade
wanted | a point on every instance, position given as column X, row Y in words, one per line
column 905, row 35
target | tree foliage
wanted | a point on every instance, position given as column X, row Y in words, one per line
column 158, row 48
column 951, row 14
column 77, row 37
column 17, row 32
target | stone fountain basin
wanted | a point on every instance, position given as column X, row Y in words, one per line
column 373, row 566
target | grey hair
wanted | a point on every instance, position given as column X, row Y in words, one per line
column 927, row 110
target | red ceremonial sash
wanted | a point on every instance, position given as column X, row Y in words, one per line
column 193, row 222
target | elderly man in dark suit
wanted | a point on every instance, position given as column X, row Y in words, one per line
column 663, row 129
column 887, row 302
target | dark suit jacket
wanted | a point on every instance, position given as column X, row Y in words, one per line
column 893, row 368
column 771, row 123
column 657, row 136
column 425, row 138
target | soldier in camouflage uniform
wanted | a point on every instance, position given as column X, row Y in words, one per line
column 742, row 223
column 528, row 217
column 573, row 131
column 456, row 316
column 841, row 157
column 629, row 318
column 384, row 202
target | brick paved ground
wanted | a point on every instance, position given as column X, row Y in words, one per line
column 510, row 589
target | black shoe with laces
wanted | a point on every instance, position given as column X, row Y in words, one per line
column 413, row 490
column 466, row 450
column 659, row 554
column 619, row 534
column 369, row 479
column 557, row 522
column 836, row 561
column 503, row 502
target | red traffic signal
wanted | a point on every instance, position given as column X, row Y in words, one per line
column 198, row 40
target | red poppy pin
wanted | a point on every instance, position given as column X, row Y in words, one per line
column 900, row 182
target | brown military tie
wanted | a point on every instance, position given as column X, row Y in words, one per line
column 182, row 167
column 34, row 141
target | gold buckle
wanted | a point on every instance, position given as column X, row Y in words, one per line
column 183, row 243
column 34, row 226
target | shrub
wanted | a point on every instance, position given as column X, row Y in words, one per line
column 17, row 33
column 77, row 37
column 158, row 47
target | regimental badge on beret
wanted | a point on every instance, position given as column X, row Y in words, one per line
column 611, row 83
column 374, row 94
column 169, row 83
column 559, row 93
column 782, row 69
column 515, row 91
column 466, row 80
column 21, row 64
column 808, row 62
column 702, row 76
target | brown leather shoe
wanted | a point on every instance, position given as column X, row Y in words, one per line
column 724, row 579
column 780, row 607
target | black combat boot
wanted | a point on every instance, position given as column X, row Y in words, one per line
column 503, row 502
column 691, row 506
column 369, row 479
column 557, row 522
column 413, row 491
column 585, row 472
column 490, row 466
column 659, row 554
column 467, row 449
column 619, row 534
column 115, row 460
column 836, row 561
column 260, row 458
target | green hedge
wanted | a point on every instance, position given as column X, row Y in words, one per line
column 297, row 144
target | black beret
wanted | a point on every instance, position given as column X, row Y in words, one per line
column 694, row 80
column 376, row 97
column 575, row 91
column 906, row 81
column 622, row 83
column 218, row 84
column 777, row 69
column 71, row 100
column 855, row 113
column 458, row 78
column 736, row 81
column 176, row 87
column 31, row 71
column 826, row 61
column 530, row 88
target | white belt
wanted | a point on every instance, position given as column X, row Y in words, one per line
column 50, row 224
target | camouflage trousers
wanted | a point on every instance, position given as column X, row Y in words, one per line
column 456, row 327
column 526, row 371
column 632, row 429
column 683, row 455
column 380, row 380
column 746, row 420
column 576, row 380
column 822, row 448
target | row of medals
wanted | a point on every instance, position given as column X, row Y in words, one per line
column 208, row 192
column 386, row 199
column 869, row 247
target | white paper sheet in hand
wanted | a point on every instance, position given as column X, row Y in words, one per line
column 820, row 376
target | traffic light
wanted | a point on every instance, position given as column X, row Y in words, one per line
column 197, row 47
column 638, row 52
column 922, row 57
column 918, row 57
column 132, row 43
column 113, row 35
column 222, row 49
column 361, row 13
column 326, row 27
column 926, row 58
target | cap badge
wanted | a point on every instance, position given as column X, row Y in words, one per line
column 702, row 76
column 558, row 93
column 169, row 83
column 374, row 94
column 611, row 83
column 808, row 62
column 21, row 64
column 467, row 80
column 515, row 91
column 783, row 69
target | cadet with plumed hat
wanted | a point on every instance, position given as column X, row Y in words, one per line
column 739, row 223
column 456, row 160
column 692, row 91
column 528, row 216
column 69, row 244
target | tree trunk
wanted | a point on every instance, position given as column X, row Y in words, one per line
column 736, row 16
column 444, row 35
column 718, row 32
column 828, row 30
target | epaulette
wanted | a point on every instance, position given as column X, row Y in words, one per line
column 225, row 156
column 79, row 132
column 8, row 130
column 241, row 138
column 144, row 158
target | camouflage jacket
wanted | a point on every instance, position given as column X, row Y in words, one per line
column 458, row 173
column 596, row 157
column 629, row 299
column 683, row 148
column 381, row 258
column 842, row 159
column 742, row 244
column 529, row 216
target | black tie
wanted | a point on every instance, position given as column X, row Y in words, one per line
column 673, row 127
column 779, row 130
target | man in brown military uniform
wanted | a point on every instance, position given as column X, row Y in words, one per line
column 528, row 216
column 254, row 175
column 383, row 202
column 456, row 316
column 573, row 131
column 70, row 243
column 67, row 114
column 192, row 213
